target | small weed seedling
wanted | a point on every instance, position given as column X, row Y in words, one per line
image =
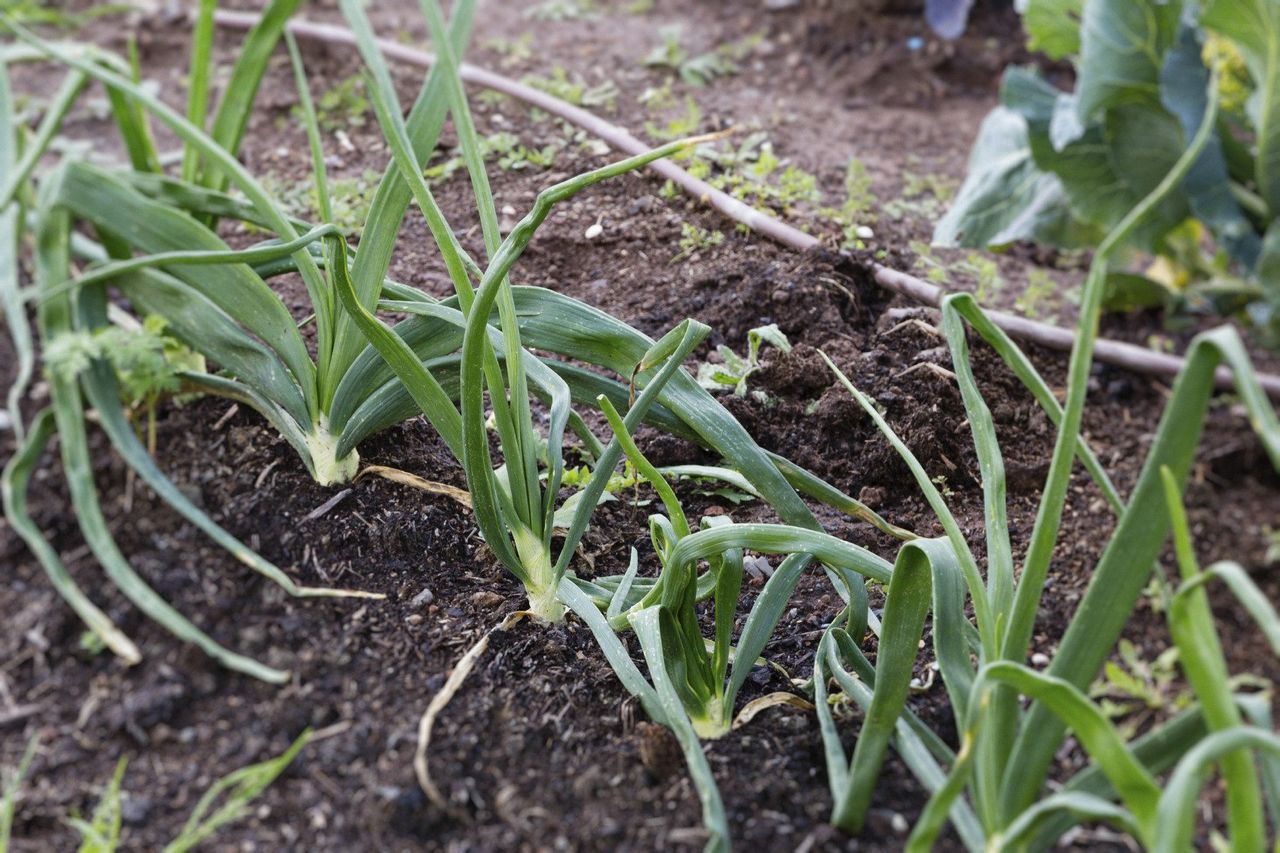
column 753, row 173
column 575, row 90
column 673, row 123
column 561, row 10
column 148, row 363
column 695, row 70
column 734, row 370
column 344, row 106
column 694, row 239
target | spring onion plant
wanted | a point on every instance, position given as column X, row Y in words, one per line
column 993, row 788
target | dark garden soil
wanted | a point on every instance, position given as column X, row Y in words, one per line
column 542, row 748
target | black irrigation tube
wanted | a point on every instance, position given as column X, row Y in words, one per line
column 1129, row 356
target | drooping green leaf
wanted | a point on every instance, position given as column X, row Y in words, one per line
column 1006, row 197
column 15, row 314
column 1177, row 813
column 1122, row 47
column 54, row 318
column 13, row 489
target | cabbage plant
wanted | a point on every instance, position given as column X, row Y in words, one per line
column 1064, row 168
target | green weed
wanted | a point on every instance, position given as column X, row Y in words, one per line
column 694, row 239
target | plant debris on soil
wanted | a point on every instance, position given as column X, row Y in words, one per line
column 542, row 747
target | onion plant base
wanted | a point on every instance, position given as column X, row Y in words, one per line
column 327, row 468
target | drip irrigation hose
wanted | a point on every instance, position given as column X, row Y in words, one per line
column 1118, row 353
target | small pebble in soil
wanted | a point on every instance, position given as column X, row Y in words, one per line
column 1040, row 659
column 758, row 567
column 659, row 750
column 135, row 809
column 872, row 496
column 594, row 230
column 423, row 598
column 864, row 233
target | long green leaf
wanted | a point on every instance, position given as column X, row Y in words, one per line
column 417, row 380
column 977, row 589
column 763, row 618
column 906, row 603
column 1136, row 787
column 131, row 120
column 54, row 318
column 1141, row 530
column 1175, row 826
column 319, row 171
column 18, row 170
column 13, row 488
column 614, row 651
column 782, row 539
column 1079, row 806
column 234, row 109
column 1158, row 750
column 526, row 469
column 1195, row 635
column 392, row 198
column 646, row 626
column 198, row 82
column 10, row 234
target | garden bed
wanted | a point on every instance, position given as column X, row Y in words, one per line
column 543, row 747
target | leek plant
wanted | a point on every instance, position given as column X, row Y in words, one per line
column 1006, row 752
column 1231, row 729
column 693, row 684
column 665, row 617
column 66, row 305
